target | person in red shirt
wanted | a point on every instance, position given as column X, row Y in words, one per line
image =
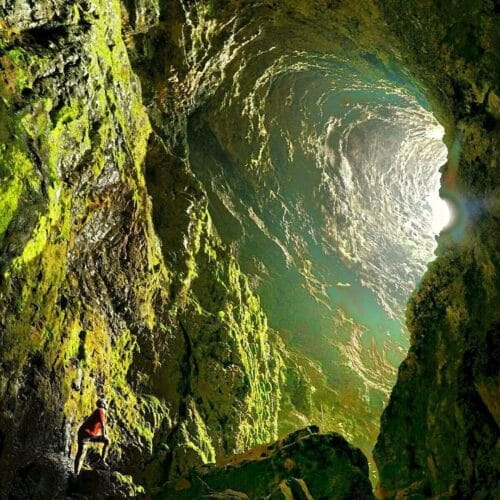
column 93, row 430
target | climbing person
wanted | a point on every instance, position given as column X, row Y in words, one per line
column 93, row 430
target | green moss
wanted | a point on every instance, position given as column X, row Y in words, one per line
column 17, row 174
column 48, row 313
column 20, row 61
column 240, row 383
column 10, row 192
column 198, row 438
column 127, row 485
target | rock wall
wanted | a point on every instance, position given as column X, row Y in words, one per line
column 439, row 433
column 262, row 100
column 139, row 146
column 92, row 300
column 429, row 443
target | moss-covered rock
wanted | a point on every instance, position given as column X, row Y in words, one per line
column 303, row 465
column 91, row 301
column 133, row 238
column 216, row 84
column 101, row 484
column 74, row 116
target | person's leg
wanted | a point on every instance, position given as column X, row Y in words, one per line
column 105, row 441
column 105, row 448
column 79, row 456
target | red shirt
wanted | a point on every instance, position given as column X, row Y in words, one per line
column 93, row 425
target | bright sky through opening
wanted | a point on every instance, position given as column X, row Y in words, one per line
column 441, row 213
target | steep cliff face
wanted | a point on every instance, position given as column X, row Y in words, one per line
column 78, row 289
column 91, row 301
column 287, row 114
column 439, row 433
column 293, row 112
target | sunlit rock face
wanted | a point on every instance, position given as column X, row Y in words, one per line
column 355, row 169
column 320, row 168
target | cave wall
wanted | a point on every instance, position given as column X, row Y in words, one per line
column 219, row 69
column 439, row 432
column 114, row 276
column 429, row 443
column 92, row 299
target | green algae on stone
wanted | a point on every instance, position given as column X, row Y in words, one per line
column 13, row 182
column 72, row 154
column 231, row 376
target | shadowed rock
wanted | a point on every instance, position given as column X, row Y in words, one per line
column 304, row 465
column 104, row 484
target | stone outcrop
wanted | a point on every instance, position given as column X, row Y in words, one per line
column 303, row 465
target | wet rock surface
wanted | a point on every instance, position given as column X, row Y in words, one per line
column 303, row 465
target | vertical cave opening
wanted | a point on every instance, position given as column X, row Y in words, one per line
column 320, row 158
